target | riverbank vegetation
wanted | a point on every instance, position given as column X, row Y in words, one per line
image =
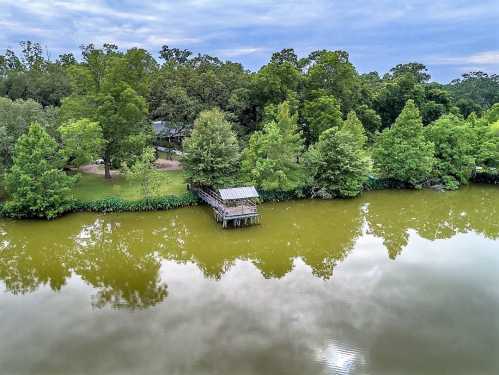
column 311, row 126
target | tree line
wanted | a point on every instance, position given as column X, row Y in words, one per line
column 311, row 124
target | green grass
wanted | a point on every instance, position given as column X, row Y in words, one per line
column 93, row 187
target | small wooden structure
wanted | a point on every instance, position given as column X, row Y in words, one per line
column 236, row 206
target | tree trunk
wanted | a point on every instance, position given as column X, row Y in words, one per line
column 107, row 167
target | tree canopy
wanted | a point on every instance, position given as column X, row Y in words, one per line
column 211, row 154
column 338, row 161
column 36, row 183
column 402, row 152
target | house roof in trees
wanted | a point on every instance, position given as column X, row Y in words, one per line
column 238, row 193
column 166, row 129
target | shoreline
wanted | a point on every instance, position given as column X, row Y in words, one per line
column 170, row 202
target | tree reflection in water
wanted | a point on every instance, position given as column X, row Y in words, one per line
column 111, row 256
column 391, row 214
column 121, row 255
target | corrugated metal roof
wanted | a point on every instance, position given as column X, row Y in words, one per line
column 238, row 193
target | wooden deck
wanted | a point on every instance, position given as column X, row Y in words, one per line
column 237, row 215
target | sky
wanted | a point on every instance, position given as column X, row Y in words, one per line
column 449, row 36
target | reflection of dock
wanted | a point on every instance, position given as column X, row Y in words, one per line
column 235, row 205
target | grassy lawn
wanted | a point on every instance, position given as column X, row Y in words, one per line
column 94, row 187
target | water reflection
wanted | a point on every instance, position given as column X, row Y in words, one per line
column 121, row 256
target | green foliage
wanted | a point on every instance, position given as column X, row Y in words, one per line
column 270, row 161
column 31, row 76
column 211, row 153
column 338, row 162
column 401, row 152
column 475, row 92
column 416, row 70
column 453, row 140
column 122, row 205
column 143, row 173
column 369, row 119
column 406, row 83
column 486, row 144
column 334, row 73
column 36, row 184
column 275, row 81
column 354, row 126
column 108, row 205
column 320, row 114
column 82, row 141
column 103, row 93
column 15, row 118
column 184, row 87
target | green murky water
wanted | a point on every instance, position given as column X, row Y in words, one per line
column 395, row 282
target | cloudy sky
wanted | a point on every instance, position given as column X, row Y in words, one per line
column 450, row 36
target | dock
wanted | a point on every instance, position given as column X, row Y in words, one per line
column 233, row 206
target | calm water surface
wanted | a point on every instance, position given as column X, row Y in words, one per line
column 395, row 282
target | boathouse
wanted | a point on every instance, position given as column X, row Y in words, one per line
column 233, row 206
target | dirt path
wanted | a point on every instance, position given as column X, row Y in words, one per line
column 168, row 165
column 162, row 164
column 97, row 169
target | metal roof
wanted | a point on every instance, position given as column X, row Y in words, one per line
column 238, row 193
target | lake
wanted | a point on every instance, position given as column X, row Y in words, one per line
column 393, row 282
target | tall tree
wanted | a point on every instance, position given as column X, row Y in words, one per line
column 36, row 184
column 82, row 141
column 417, row 71
column 321, row 113
column 271, row 159
column 486, row 145
column 103, row 94
column 144, row 173
column 402, row 152
column 338, row 163
column 211, row 154
column 453, row 140
column 15, row 118
column 475, row 91
column 334, row 73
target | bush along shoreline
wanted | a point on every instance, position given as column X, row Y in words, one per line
column 170, row 202
column 108, row 205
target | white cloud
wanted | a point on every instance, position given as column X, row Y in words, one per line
column 241, row 51
column 480, row 58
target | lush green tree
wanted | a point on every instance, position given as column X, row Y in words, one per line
column 333, row 72
column 486, row 138
column 321, row 113
column 211, row 153
column 354, row 126
column 15, row 117
column 278, row 81
column 402, row 152
column 271, row 159
column 36, row 183
column 417, row 71
column 144, row 173
column 475, row 92
column 174, row 55
column 369, row 119
column 102, row 93
column 409, row 83
column 181, row 90
column 393, row 96
column 339, row 163
column 454, row 154
column 285, row 55
column 82, row 141
column 31, row 76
